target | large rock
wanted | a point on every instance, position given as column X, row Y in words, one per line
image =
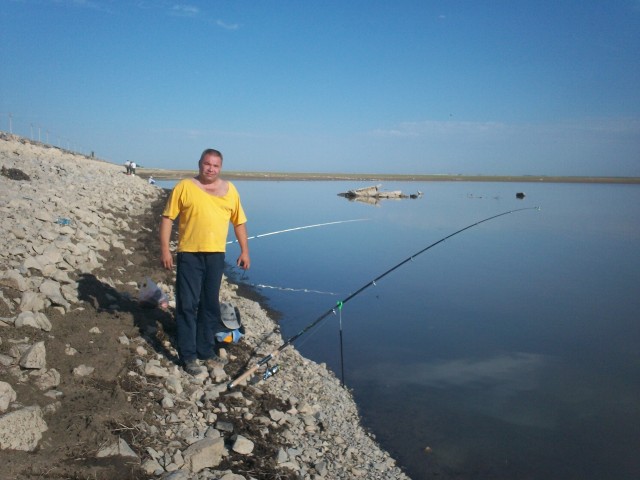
column 33, row 319
column 243, row 445
column 206, row 453
column 51, row 289
column 22, row 429
column 33, row 301
column 35, row 357
column 13, row 279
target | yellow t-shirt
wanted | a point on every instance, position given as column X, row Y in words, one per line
column 204, row 219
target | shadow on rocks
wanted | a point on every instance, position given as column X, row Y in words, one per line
column 154, row 324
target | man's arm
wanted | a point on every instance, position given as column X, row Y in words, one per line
column 165, row 234
column 243, row 261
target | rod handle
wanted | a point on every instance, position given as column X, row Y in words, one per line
column 248, row 373
column 252, row 370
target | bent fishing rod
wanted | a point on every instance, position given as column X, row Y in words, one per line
column 271, row 356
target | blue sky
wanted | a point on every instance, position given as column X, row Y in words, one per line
column 506, row 87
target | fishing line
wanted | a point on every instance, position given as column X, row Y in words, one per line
column 291, row 289
column 299, row 228
column 265, row 360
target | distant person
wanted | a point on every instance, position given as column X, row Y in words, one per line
column 204, row 206
column 127, row 167
column 151, row 180
column 132, row 168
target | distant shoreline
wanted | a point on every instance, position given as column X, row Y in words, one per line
column 165, row 174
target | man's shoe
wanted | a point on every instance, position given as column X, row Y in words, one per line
column 194, row 368
column 215, row 362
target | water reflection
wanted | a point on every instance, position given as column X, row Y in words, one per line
column 510, row 350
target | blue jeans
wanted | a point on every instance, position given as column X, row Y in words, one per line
column 198, row 280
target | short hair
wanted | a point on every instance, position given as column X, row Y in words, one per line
column 210, row 151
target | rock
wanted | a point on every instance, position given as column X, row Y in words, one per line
column 33, row 319
column 7, row 395
column 32, row 301
column 119, row 448
column 224, row 426
column 206, row 453
column 6, row 360
column 167, row 402
column 177, row 475
column 152, row 467
column 69, row 350
column 46, row 379
column 153, row 370
column 174, row 384
column 282, row 456
column 22, row 429
column 13, row 279
column 51, row 290
column 31, row 263
column 243, row 445
column 34, row 357
column 83, row 370
column 58, row 227
column 232, row 476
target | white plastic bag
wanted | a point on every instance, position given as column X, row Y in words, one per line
column 150, row 295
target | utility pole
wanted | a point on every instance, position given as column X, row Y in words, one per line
column 32, row 131
column 10, row 123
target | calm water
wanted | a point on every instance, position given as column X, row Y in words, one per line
column 511, row 350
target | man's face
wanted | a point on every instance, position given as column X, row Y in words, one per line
column 210, row 167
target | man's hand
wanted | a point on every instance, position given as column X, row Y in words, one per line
column 166, row 259
column 244, row 261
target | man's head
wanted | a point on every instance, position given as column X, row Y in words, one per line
column 209, row 165
column 210, row 151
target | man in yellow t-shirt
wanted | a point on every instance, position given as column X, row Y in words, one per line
column 204, row 206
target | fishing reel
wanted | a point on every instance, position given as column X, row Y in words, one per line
column 270, row 371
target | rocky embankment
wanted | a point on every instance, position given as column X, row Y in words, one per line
column 89, row 383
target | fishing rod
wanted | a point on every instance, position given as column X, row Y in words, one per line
column 299, row 228
column 271, row 356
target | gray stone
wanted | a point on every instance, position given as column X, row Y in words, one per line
column 35, row 357
column 173, row 384
column 35, row 320
column 51, row 289
column 282, row 456
column 152, row 370
column 177, row 475
column 206, row 453
column 7, row 395
column 118, row 448
column 224, row 426
column 46, row 379
column 31, row 263
column 83, row 370
column 13, row 279
column 152, row 467
column 6, row 360
column 32, row 301
column 22, row 429
column 243, row 445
